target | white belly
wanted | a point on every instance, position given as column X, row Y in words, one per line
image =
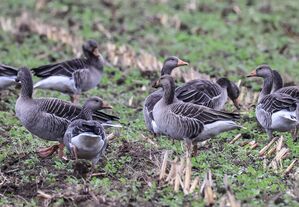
column 6, row 81
column 213, row 129
column 58, row 83
column 284, row 120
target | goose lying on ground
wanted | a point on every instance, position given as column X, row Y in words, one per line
column 47, row 118
column 193, row 123
column 200, row 92
column 73, row 76
column 279, row 108
column 8, row 75
column 84, row 137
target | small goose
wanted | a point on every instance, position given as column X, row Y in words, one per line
column 46, row 118
column 275, row 111
column 200, row 92
column 8, row 75
column 73, row 76
column 84, row 137
column 191, row 122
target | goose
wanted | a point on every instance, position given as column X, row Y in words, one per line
column 188, row 121
column 8, row 75
column 73, row 76
column 84, row 137
column 200, row 92
column 280, row 106
column 47, row 118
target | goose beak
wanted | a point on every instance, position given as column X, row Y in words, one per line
column 181, row 63
column 252, row 74
column 156, row 84
column 105, row 105
column 237, row 103
column 96, row 52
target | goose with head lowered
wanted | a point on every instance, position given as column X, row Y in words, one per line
column 47, row 118
column 200, row 92
column 278, row 108
column 85, row 138
column 73, row 76
column 187, row 121
column 8, row 75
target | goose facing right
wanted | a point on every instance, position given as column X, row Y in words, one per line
column 84, row 137
column 187, row 121
column 73, row 76
column 47, row 118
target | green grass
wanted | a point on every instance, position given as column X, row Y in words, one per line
column 215, row 40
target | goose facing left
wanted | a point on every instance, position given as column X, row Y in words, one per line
column 187, row 121
column 8, row 75
column 47, row 118
column 73, row 76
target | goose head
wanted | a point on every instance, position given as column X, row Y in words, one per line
column 90, row 49
column 168, row 85
column 233, row 90
column 96, row 103
column 171, row 63
column 24, row 78
column 263, row 71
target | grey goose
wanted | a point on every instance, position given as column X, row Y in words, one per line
column 85, row 138
column 200, row 92
column 47, row 118
column 275, row 111
column 73, row 76
column 8, row 75
column 188, row 121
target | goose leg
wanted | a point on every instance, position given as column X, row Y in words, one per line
column 48, row 151
column 270, row 134
column 74, row 151
column 60, row 151
column 195, row 150
column 188, row 147
column 295, row 134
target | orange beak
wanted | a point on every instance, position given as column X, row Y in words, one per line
column 252, row 74
column 156, row 84
column 181, row 63
column 105, row 105
column 96, row 52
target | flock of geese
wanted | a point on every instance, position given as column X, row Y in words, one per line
column 192, row 112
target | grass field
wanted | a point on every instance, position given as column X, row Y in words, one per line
column 218, row 38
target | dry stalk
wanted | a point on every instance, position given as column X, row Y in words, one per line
column 43, row 195
column 290, row 167
column 188, row 174
column 164, row 165
column 279, row 144
column 236, row 138
column 209, row 196
column 230, row 196
column 179, row 169
column 264, row 150
column 172, row 170
column 194, row 184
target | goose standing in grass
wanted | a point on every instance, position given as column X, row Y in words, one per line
column 84, row 137
column 191, row 122
column 200, row 92
column 277, row 111
column 73, row 76
column 8, row 75
column 47, row 118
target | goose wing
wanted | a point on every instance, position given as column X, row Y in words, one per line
column 199, row 92
column 193, row 117
column 66, row 68
column 6, row 70
column 290, row 90
column 69, row 111
column 151, row 101
column 273, row 103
